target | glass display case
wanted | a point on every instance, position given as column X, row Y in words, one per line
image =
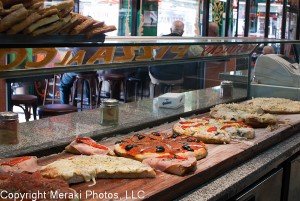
column 207, row 62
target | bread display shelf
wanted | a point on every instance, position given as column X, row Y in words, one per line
column 220, row 159
column 56, row 40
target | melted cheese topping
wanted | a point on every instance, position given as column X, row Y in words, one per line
column 276, row 104
column 91, row 167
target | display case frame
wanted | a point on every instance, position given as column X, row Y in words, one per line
column 48, row 136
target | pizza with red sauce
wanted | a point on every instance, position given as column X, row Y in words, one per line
column 163, row 145
column 87, row 146
column 215, row 131
column 28, row 184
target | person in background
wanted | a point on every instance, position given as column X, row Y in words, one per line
column 172, row 71
column 67, row 80
column 213, row 29
column 268, row 50
column 177, row 28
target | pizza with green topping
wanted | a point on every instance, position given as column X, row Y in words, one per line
column 213, row 131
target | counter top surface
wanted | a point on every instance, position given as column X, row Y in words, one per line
column 58, row 131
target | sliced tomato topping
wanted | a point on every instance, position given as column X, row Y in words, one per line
column 184, row 127
column 211, row 129
column 227, row 126
column 173, row 156
column 199, row 124
column 205, row 118
column 15, row 161
column 89, row 141
column 185, row 122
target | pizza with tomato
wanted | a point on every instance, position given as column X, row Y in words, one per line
column 214, row 131
column 157, row 144
column 19, row 164
column 87, row 146
column 172, row 153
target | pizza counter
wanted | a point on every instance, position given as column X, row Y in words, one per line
column 226, row 170
column 50, row 135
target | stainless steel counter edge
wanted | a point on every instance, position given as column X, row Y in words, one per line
column 229, row 184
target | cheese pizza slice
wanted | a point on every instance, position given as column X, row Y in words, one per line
column 86, row 168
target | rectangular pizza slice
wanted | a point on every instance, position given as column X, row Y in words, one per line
column 86, row 168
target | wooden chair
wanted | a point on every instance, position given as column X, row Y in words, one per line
column 54, row 82
column 26, row 102
column 50, row 110
column 94, row 89
column 115, row 82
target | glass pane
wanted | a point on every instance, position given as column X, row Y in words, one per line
column 275, row 20
column 293, row 4
column 104, row 10
column 184, row 10
column 218, row 15
column 291, row 26
column 257, row 19
column 241, row 18
column 234, row 20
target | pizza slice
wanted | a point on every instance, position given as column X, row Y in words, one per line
column 173, row 164
column 214, row 131
column 156, row 144
column 202, row 129
column 84, row 168
column 252, row 116
column 25, row 183
column 87, row 146
column 275, row 105
column 19, row 164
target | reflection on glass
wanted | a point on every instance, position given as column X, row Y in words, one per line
column 218, row 14
column 104, row 10
column 275, row 20
column 184, row 10
column 257, row 19
column 241, row 18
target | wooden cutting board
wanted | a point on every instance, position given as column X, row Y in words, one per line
column 164, row 186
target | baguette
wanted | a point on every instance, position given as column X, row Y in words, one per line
column 52, row 27
column 13, row 18
column 93, row 26
column 65, row 5
column 33, row 17
column 100, row 30
column 33, row 4
column 79, row 28
column 10, row 3
column 40, row 23
column 4, row 12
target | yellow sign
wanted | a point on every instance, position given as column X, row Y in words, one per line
column 128, row 54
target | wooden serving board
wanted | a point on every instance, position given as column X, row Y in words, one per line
column 164, row 186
